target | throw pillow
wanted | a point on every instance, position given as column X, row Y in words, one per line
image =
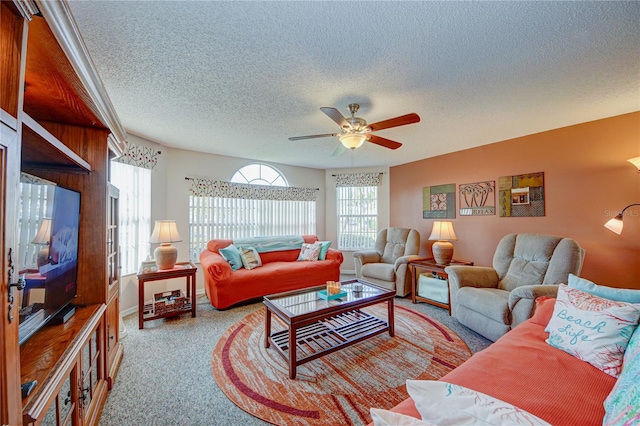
column 591, row 328
column 612, row 293
column 324, row 247
column 622, row 406
column 382, row 417
column 310, row 251
column 232, row 255
column 250, row 258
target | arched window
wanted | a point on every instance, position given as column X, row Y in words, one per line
column 259, row 174
column 257, row 202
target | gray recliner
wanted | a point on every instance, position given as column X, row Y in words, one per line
column 386, row 265
column 491, row 301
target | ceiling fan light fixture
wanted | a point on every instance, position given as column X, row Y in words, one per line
column 352, row 140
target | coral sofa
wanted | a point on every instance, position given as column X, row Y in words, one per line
column 280, row 271
column 522, row 369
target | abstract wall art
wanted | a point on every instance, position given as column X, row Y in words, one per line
column 439, row 202
column 521, row 195
column 477, row 199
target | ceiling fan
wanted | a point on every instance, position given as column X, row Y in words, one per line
column 354, row 131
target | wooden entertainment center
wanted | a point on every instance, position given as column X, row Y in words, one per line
column 57, row 123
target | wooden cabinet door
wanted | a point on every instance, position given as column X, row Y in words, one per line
column 10, row 396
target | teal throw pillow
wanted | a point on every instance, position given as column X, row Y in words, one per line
column 324, row 247
column 622, row 406
column 611, row 293
column 232, row 255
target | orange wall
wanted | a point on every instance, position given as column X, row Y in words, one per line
column 587, row 181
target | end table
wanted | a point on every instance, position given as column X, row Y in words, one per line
column 435, row 279
column 181, row 269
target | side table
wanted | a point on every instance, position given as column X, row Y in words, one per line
column 430, row 283
column 181, row 269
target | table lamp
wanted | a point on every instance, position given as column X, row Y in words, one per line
column 43, row 238
column 442, row 249
column 165, row 232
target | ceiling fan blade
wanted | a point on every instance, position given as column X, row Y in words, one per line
column 326, row 135
column 387, row 143
column 340, row 149
column 395, row 122
column 335, row 115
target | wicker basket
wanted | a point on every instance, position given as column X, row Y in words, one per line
column 169, row 301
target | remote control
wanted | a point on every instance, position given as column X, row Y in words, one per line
column 27, row 387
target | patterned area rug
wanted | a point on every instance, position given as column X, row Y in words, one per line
column 340, row 387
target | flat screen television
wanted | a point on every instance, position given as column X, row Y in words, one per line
column 49, row 219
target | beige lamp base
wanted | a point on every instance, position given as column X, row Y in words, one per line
column 43, row 257
column 442, row 252
column 165, row 256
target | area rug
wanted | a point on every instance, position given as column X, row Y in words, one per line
column 340, row 387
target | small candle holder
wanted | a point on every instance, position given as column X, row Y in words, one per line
column 333, row 287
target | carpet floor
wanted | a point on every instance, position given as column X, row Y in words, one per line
column 165, row 376
column 338, row 388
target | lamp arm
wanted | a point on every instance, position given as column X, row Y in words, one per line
column 630, row 205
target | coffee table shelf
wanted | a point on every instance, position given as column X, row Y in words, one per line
column 330, row 334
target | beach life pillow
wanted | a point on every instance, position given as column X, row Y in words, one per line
column 324, row 247
column 591, row 328
column 232, row 255
column 612, row 293
column 622, row 406
column 250, row 258
column 310, row 251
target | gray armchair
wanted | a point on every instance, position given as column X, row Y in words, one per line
column 491, row 301
column 387, row 264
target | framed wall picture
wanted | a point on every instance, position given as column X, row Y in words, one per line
column 477, row 199
column 521, row 195
column 439, row 202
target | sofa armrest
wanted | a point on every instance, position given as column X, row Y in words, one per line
column 334, row 255
column 468, row 276
column 214, row 267
column 522, row 300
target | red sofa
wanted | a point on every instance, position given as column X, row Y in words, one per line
column 522, row 369
column 280, row 271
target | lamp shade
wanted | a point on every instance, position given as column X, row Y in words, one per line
column 44, row 233
column 615, row 224
column 636, row 162
column 165, row 231
column 352, row 140
column 443, row 231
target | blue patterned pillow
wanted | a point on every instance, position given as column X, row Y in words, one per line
column 232, row 255
column 622, row 406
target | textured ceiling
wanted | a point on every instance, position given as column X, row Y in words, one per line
column 239, row 78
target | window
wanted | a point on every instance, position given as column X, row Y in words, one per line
column 357, row 217
column 134, row 184
column 257, row 202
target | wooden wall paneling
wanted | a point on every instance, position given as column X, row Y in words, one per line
column 11, row 26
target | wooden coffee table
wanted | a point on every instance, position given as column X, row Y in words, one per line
column 319, row 326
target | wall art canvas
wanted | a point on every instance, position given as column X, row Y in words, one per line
column 521, row 195
column 439, row 202
column 477, row 199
